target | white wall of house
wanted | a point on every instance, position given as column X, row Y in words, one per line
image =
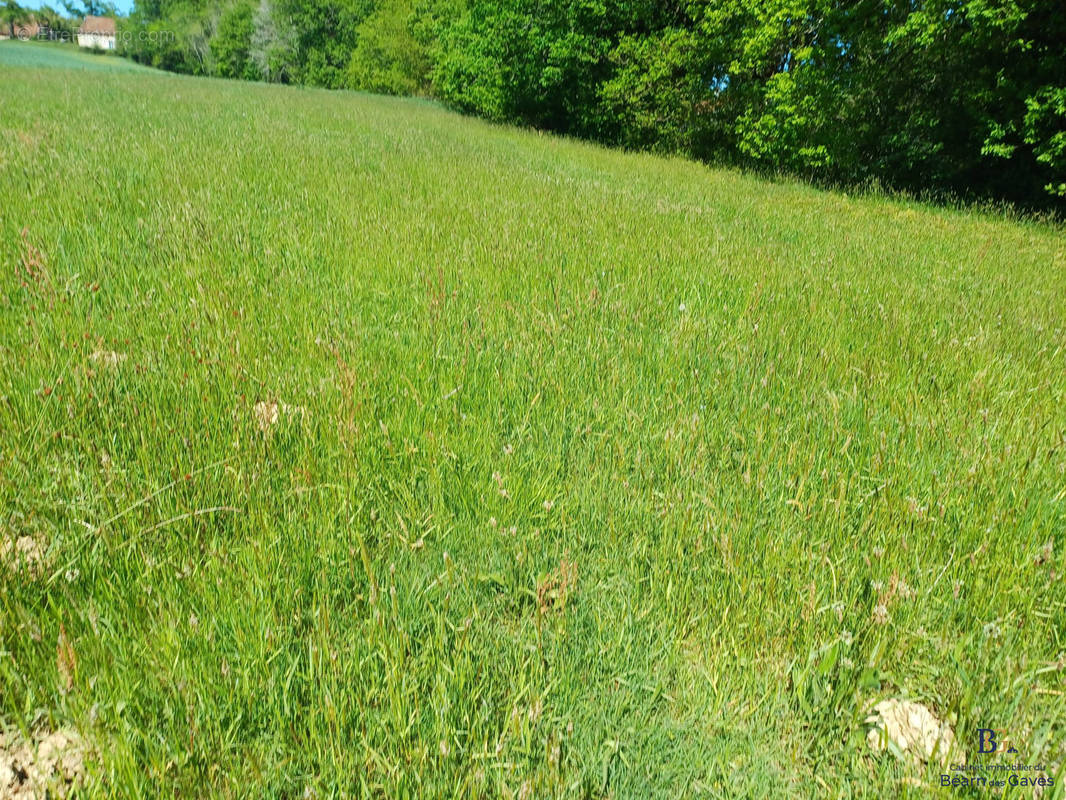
column 100, row 40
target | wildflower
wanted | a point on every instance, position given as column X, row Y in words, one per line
column 492, row 522
column 992, row 631
column 496, row 476
column 508, row 449
column 880, row 614
column 443, row 749
column 549, row 505
column 681, row 307
column 194, row 621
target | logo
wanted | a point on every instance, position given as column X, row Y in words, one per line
column 996, row 773
column 994, row 740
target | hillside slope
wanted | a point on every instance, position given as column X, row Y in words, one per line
column 354, row 446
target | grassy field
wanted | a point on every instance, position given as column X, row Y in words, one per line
column 64, row 56
column 355, row 448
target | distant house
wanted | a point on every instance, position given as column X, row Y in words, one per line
column 98, row 32
column 25, row 30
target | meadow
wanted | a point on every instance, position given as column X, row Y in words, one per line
column 350, row 447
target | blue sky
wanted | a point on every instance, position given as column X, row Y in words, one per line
column 123, row 6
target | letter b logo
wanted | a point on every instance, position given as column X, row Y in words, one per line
column 986, row 740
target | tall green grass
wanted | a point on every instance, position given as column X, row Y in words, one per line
column 589, row 475
column 63, row 55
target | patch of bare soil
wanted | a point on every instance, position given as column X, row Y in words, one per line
column 22, row 553
column 52, row 764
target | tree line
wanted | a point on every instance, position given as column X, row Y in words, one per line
column 963, row 98
column 53, row 24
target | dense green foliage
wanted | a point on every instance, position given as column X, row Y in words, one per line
column 353, row 448
column 966, row 97
column 232, row 43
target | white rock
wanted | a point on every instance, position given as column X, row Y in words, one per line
column 913, row 728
